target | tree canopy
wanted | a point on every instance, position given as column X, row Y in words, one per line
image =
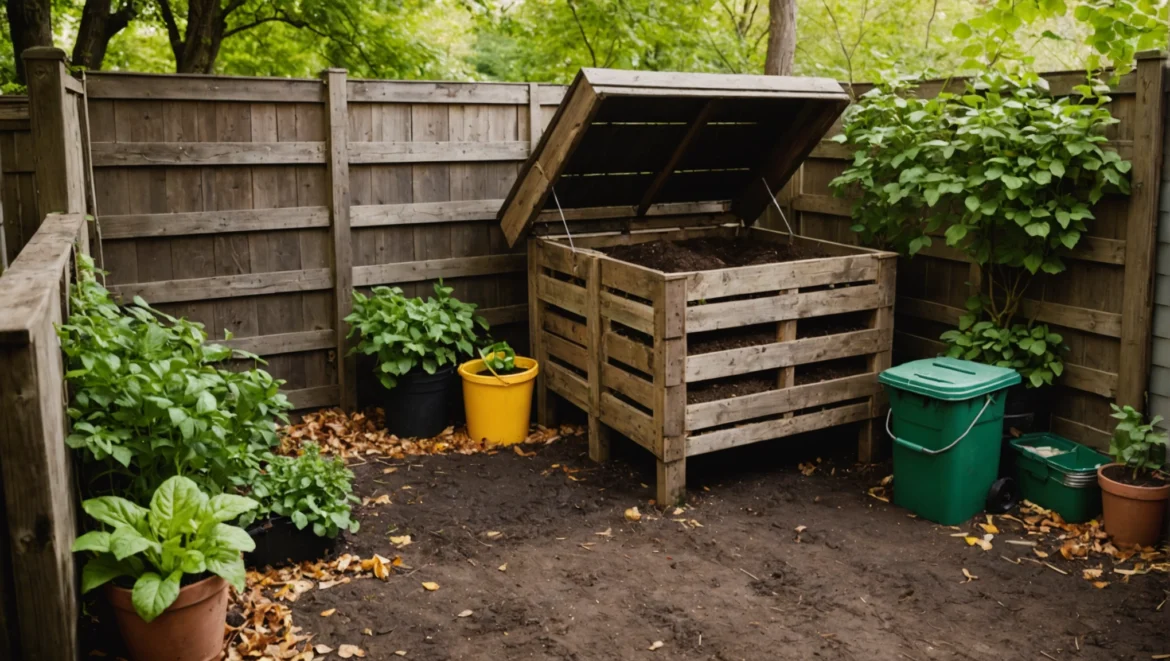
column 548, row 40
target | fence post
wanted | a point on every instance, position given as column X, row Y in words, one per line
column 337, row 144
column 1140, row 231
column 57, row 153
column 38, row 492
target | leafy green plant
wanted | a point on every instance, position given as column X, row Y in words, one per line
column 183, row 533
column 1005, row 173
column 1033, row 352
column 308, row 489
column 1136, row 445
column 498, row 357
column 150, row 399
column 405, row 333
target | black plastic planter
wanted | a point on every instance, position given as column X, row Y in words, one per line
column 278, row 542
column 421, row 405
column 1026, row 411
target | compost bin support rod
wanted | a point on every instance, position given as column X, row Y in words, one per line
column 563, row 221
column 769, row 189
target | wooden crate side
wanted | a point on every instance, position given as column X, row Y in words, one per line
column 784, row 400
column 628, row 420
column 565, row 284
column 771, row 429
column 745, row 360
column 748, row 312
column 747, row 280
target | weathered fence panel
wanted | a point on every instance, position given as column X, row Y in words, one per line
column 255, row 205
column 38, row 600
column 1101, row 304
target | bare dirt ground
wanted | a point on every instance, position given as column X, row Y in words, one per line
column 568, row 577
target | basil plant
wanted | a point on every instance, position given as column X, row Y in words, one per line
column 183, row 533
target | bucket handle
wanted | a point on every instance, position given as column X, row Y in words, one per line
column 921, row 450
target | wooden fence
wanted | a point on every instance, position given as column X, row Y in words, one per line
column 255, row 205
column 38, row 603
column 1102, row 304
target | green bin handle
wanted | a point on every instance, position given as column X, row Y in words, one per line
column 921, row 450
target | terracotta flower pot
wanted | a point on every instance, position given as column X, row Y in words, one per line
column 1133, row 514
column 190, row 630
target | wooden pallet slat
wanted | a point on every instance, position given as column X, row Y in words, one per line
column 154, row 154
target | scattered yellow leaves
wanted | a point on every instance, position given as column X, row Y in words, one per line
column 969, row 576
column 322, row 649
column 430, row 586
column 400, row 541
column 658, row 644
column 503, row 567
column 879, row 493
column 982, row 542
column 632, row 514
column 383, row 499
column 360, row 435
column 350, row 651
column 327, row 613
column 520, row 451
column 465, row 613
column 1090, row 574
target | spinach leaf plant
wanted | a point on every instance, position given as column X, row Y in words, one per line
column 498, row 357
column 1004, row 172
column 405, row 333
column 309, row 489
column 152, row 399
column 1135, row 444
column 183, row 533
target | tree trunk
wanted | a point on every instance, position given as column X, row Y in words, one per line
column 206, row 24
column 781, row 38
column 30, row 22
column 97, row 27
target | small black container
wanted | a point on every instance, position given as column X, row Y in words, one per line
column 421, row 405
column 1026, row 411
column 278, row 542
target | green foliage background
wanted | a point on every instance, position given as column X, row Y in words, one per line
column 548, row 40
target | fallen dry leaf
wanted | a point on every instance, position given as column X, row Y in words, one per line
column 608, row 532
column 970, row 577
column 520, row 451
column 392, row 469
column 350, row 651
column 465, row 613
column 503, row 567
column 982, row 543
column 400, row 541
column 430, row 586
column 1100, row 585
column 800, row 529
column 400, row 652
column 322, row 649
column 632, row 514
column 493, row 534
column 1090, row 574
column 656, row 645
column 327, row 613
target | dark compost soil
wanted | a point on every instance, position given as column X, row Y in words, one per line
column 708, row 254
column 565, row 576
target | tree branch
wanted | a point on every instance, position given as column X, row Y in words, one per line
column 172, row 28
column 581, row 28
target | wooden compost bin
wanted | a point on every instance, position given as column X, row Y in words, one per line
column 633, row 157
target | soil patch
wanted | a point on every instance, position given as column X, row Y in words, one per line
column 1125, row 476
column 708, row 254
column 535, row 560
column 732, row 386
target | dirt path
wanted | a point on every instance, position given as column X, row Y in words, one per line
column 863, row 581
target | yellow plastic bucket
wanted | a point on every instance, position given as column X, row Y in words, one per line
column 498, row 406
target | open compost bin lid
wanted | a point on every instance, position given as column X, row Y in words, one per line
column 627, row 143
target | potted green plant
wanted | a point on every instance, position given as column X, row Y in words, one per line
column 178, row 556
column 305, row 503
column 497, row 394
column 1134, row 491
column 416, row 344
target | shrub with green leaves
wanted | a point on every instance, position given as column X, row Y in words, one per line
column 1135, row 444
column 309, row 489
column 1033, row 352
column 150, row 399
column 183, row 533
column 1005, row 173
column 407, row 333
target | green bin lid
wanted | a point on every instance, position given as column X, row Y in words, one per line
column 949, row 379
column 1075, row 458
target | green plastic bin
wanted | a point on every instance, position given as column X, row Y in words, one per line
column 1065, row 483
column 946, row 421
